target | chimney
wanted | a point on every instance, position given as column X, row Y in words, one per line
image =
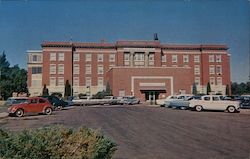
column 156, row 37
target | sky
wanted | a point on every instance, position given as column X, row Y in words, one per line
column 25, row 24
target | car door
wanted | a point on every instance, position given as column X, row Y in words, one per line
column 31, row 106
column 207, row 103
column 217, row 104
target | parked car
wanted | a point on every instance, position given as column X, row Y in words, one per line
column 245, row 104
column 32, row 105
column 169, row 99
column 182, row 103
column 214, row 102
column 111, row 100
column 58, row 104
column 131, row 100
column 15, row 100
column 174, row 101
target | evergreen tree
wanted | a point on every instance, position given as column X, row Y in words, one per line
column 67, row 89
column 108, row 89
column 194, row 89
column 208, row 88
column 45, row 91
column 227, row 89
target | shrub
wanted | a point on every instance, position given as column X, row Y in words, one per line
column 56, row 142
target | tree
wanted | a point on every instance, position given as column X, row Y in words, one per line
column 108, row 90
column 227, row 90
column 67, row 89
column 208, row 88
column 194, row 89
column 45, row 91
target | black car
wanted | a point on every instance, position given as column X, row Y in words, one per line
column 57, row 103
column 245, row 104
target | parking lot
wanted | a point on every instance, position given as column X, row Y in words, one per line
column 155, row 132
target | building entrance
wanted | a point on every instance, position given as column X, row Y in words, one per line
column 151, row 96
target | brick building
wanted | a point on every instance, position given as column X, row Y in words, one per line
column 145, row 69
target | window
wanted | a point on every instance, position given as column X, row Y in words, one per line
column 211, row 69
column 61, row 81
column 174, row 58
column 52, row 81
column 207, row 98
column 111, row 66
column 151, row 57
column 197, row 81
column 36, row 70
column 100, row 81
column 121, row 93
column 111, row 57
column 100, row 69
column 219, row 81
column 126, row 56
column 88, row 69
column 185, row 58
column 36, row 58
column 139, row 57
column 100, row 57
column 88, row 81
column 42, row 101
column 197, row 69
column 76, row 56
column 164, row 58
column 61, row 69
column 197, row 58
column 211, row 58
column 52, row 69
column 88, row 57
column 216, row 98
column 218, row 70
column 212, row 81
column 76, row 69
column 60, row 56
column 76, row 81
column 52, row 56
column 218, row 58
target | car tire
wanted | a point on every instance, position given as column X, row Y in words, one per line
column 59, row 107
column 183, row 108
column 198, row 108
column 48, row 111
column 19, row 113
column 231, row 109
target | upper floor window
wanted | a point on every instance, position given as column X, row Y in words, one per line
column 88, row 69
column 218, row 69
column 212, row 81
column 61, row 56
column 76, row 69
column 174, row 58
column 111, row 57
column 76, row 81
column 197, row 80
column 139, row 57
column 218, row 58
column 88, row 81
column 219, row 81
column 35, row 58
column 197, row 58
column 60, row 81
column 211, row 69
column 36, row 70
column 52, row 81
column 211, row 58
column 100, row 69
column 185, row 58
column 52, row 69
column 87, row 57
column 52, row 56
column 151, row 57
column 100, row 57
column 100, row 81
column 164, row 58
column 76, row 56
column 197, row 69
column 61, row 69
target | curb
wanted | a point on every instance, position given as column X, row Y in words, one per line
column 4, row 115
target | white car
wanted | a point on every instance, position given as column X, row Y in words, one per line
column 214, row 102
column 169, row 99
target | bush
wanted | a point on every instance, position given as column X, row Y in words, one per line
column 56, row 142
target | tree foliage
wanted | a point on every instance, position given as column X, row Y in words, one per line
column 239, row 89
column 12, row 79
column 108, row 89
column 194, row 89
column 67, row 89
column 45, row 90
column 208, row 88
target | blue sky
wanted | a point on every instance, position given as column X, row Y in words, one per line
column 24, row 24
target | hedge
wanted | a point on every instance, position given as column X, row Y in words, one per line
column 55, row 143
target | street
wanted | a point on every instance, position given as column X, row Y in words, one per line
column 154, row 132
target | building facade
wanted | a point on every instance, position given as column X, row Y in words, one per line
column 146, row 69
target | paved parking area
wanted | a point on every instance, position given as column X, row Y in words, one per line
column 155, row 132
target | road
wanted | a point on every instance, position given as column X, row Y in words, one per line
column 154, row 132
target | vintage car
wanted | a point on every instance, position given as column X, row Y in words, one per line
column 58, row 104
column 169, row 99
column 214, row 102
column 15, row 100
column 33, row 105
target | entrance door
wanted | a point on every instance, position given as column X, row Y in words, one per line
column 151, row 96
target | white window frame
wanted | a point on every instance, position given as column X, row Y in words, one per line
column 76, row 56
column 76, row 81
column 139, row 56
column 212, row 80
column 88, row 81
column 52, row 81
column 211, row 70
column 111, row 57
column 60, row 69
column 88, row 70
column 164, row 58
column 219, row 80
column 60, row 81
column 52, row 68
column 211, row 58
column 174, row 58
column 197, row 58
column 151, row 56
column 100, row 70
column 185, row 58
column 126, row 56
column 219, row 69
column 52, row 56
column 197, row 81
column 60, row 56
column 76, row 69
column 88, row 57
column 100, row 57
column 196, row 69
column 218, row 58
column 100, row 82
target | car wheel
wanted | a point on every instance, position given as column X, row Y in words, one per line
column 231, row 109
column 19, row 113
column 59, row 107
column 48, row 111
column 198, row 108
column 183, row 108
